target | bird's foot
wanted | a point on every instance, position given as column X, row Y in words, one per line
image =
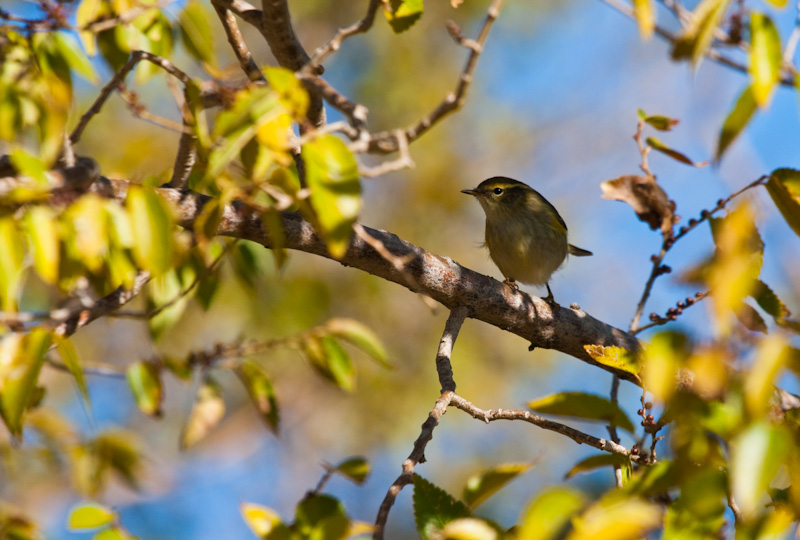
column 550, row 300
column 511, row 283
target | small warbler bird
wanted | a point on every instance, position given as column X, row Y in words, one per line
column 526, row 237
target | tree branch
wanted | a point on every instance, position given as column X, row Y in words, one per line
column 527, row 416
column 442, row 279
column 417, row 456
column 238, row 45
column 276, row 27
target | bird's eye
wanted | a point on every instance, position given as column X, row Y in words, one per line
column 497, row 190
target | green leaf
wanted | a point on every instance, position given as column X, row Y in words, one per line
column 356, row 469
column 434, row 508
column 144, row 379
column 402, row 14
column 751, row 319
column 482, row 486
column 167, row 290
column 259, row 387
column 70, row 51
column 119, row 451
column 661, row 123
column 70, row 358
column 757, row 454
column 784, row 188
column 114, row 47
column 261, row 520
column 273, row 221
column 45, row 239
column 765, row 57
column 23, row 357
column 615, row 357
column 645, row 14
column 30, row 165
column 361, row 336
column 321, row 517
column 88, row 11
column 235, row 128
column 90, row 516
column 332, row 175
column 11, row 259
column 152, row 223
column 656, row 144
column 197, row 32
column 330, row 360
column 207, row 411
column 698, row 34
column 92, row 461
column 245, row 260
column 595, row 462
column 704, row 494
column 736, row 121
column 157, row 33
column 207, row 290
column 293, row 94
column 549, row 515
column 769, row 301
column 654, row 479
column 583, row 406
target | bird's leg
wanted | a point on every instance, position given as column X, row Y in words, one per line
column 549, row 298
column 511, row 283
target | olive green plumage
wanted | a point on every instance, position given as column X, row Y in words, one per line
column 526, row 237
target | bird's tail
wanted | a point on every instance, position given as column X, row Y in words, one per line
column 578, row 252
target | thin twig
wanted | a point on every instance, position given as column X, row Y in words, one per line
column 402, row 162
column 713, row 54
column 323, row 52
column 386, row 142
column 526, row 416
column 238, row 45
column 417, row 456
column 82, row 316
column 140, row 110
column 99, row 370
column 399, row 263
column 182, row 294
column 791, row 43
column 248, row 12
column 118, row 79
column 612, row 428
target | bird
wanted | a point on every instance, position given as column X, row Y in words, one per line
column 525, row 234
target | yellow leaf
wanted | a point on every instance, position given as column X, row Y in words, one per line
column 734, row 272
column 45, row 240
column 617, row 518
column 207, row 411
column 11, row 253
column 152, row 223
column 260, row 519
column 759, row 383
column 765, row 57
column 645, row 15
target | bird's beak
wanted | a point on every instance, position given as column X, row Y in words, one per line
column 469, row 191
